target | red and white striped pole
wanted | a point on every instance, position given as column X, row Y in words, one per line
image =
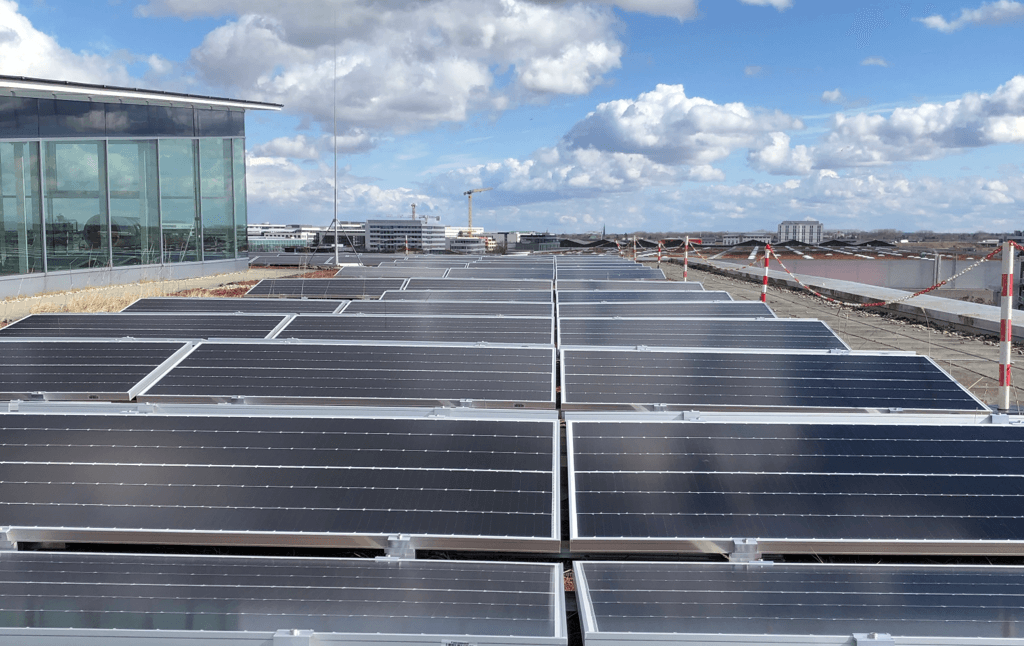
column 1006, row 327
column 686, row 257
column 618, row 248
column 659, row 253
column 634, row 247
column 764, row 283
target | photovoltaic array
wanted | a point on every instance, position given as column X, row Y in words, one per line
column 568, row 406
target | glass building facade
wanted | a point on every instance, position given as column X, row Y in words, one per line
column 88, row 184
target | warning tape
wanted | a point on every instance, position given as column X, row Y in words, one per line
column 895, row 300
column 837, row 301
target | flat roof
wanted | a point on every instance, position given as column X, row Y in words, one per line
column 23, row 86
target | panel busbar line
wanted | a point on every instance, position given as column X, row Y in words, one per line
column 814, row 604
column 521, row 296
column 97, row 599
column 391, row 271
column 339, row 373
column 450, row 308
column 435, row 329
column 260, row 480
column 336, row 288
column 676, row 309
column 764, row 380
column 155, row 326
column 72, row 369
column 640, row 296
column 477, row 284
column 627, row 285
column 810, row 487
column 170, row 305
column 753, row 334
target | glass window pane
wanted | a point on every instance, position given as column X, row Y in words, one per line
column 182, row 234
column 238, row 171
column 76, row 205
column 215, row 190
column 134, row 218
column 127, row 120
column 221, row 123
column 19, row 117
column 165, row 121
column 71, row 118
column 21, row 244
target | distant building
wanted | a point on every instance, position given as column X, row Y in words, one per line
column 455, row 232
column 807, row 231
column 265, row 236
column 737, row 238
column 395, row 235
column 537, row 242
column 467, row 245
column 350, row 234
column 104, row 185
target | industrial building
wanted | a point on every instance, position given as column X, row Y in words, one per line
column 807, row 231
column 105, row 185
column 399, row 234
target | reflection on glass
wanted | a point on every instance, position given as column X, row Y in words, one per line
column 77, row 232
column 238, row 172
column 71, row 118
column 21, row 250
column 217, row 199
column 134, row 214
column 182, row 234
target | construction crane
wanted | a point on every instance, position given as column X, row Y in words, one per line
column 469, row 194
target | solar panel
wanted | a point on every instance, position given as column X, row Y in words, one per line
column 290, row 372
column 522, row 295
column 917, row 488
column 627, row 285
column 62, row 369
column 602, row 273
column 675, row 309
column 154, row 326
column 313, row 481
column 806, row 334
column 765, row 379
column 450, row 308
column 502, row 272
column 473, row 284
column 338, row 288
column 433, row 329
column 199, row 599
column 644, row 603
column 248, row 305
column 640, row 296
column 405, row 271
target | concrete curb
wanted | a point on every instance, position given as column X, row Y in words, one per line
column 971, row 318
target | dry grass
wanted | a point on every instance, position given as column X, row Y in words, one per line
column 234, row 290
column 96, row 300
column 317, row 273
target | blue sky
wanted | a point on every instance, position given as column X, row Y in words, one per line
column 656, row 115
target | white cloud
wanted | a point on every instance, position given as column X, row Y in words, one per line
column 26, row 51
column 669, row 127
column 778, row 158
column 833, row 96
column 875, row 60
column 781, row 5
column 989, row 13
column 681, row 9
column 278, row 188
column 311, row 149
column 405, row 66
column 927, row 131
column 753, row 70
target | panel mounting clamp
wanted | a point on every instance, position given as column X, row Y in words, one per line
column 873, row 639
column 295, row 637
column 6, row 542
column 400, row 546
column 744, row 550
